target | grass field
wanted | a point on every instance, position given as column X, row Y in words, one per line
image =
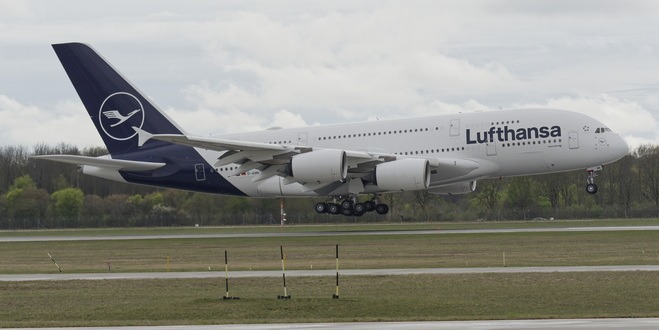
column 381, row 251
column 363, row 298
column 368, row 298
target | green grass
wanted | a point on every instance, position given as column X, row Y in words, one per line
column 379, row 251
column 363, row 298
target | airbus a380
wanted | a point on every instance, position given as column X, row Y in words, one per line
column 444, row 154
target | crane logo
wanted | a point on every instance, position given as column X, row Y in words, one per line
column 119, row 112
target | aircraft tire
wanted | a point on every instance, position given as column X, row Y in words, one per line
column 321, row 207
column 333, row 208
column 347, row 212
column 591, row 188
column 347, row 204
column 360, row 208
column 382, row 209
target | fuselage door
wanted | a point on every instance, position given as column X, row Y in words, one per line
column 455, row 127
column 199, row 172
column 573, row 138
column 491, row 149
column 302, row 138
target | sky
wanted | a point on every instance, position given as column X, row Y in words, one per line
column 233, row 66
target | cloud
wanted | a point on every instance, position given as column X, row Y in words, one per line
column 22, row 124
column 622, row 116
column 237, row 66
column 12, row 9
column 333, row 66
column 627, row 118
column 636, row 141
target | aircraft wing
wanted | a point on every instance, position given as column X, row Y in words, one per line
column 277, row 160
column 213, row 144
column 268, row 158
column 103, row 162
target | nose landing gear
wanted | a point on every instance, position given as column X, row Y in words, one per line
column 591, row 187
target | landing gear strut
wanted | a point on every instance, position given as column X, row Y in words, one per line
column 350, row 206
column 591, row 187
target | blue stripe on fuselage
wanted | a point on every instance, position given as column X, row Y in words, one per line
column 179, row 173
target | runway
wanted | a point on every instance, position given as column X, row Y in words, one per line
column 581, row 324
column 322, row 233
column 328, row 272
column 590, row 324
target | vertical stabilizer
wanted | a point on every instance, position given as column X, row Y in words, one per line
column 113, row 104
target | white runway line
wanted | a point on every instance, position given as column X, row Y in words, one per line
column 326, row 272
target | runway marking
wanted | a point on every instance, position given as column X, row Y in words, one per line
column 326, row 272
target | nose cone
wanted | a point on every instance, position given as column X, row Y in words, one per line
column 619, row 147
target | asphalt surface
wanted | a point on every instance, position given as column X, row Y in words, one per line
column 330, row 272
column 581, row 324
column 322, row 233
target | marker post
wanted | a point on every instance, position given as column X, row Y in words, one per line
column 336, row 295
column 53, row 260
column 226, row 278
column 283, row 271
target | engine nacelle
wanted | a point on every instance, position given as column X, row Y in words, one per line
column 403, row 174
column 455, row 189
column 326, row 165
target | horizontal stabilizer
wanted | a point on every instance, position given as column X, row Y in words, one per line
column 102, row 162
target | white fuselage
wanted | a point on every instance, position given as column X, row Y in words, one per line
column 501, row 143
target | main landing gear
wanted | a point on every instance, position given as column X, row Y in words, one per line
column 350, row 206
column 591, row 187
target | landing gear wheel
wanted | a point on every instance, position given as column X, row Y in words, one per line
column 347, row 212
column 347, row 204
column 370, row 206
column 321, row 207
column 359, row 208
column 333, row 208
column 382, row 208
column 591, row 188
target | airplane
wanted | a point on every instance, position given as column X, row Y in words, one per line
column 443, row 154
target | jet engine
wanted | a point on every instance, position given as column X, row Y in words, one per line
column 455, row 189
column 404, row 174
column 327, row 165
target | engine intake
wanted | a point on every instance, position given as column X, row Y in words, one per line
column 327, row 165
column 404, row 174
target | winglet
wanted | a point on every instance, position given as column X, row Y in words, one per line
column 142, row 136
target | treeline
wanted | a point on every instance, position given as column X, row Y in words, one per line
column 43, row 194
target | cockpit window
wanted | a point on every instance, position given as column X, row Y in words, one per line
column 597, row 130
column 602, row 130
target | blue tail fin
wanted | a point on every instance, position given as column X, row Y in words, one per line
column 113, row 104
